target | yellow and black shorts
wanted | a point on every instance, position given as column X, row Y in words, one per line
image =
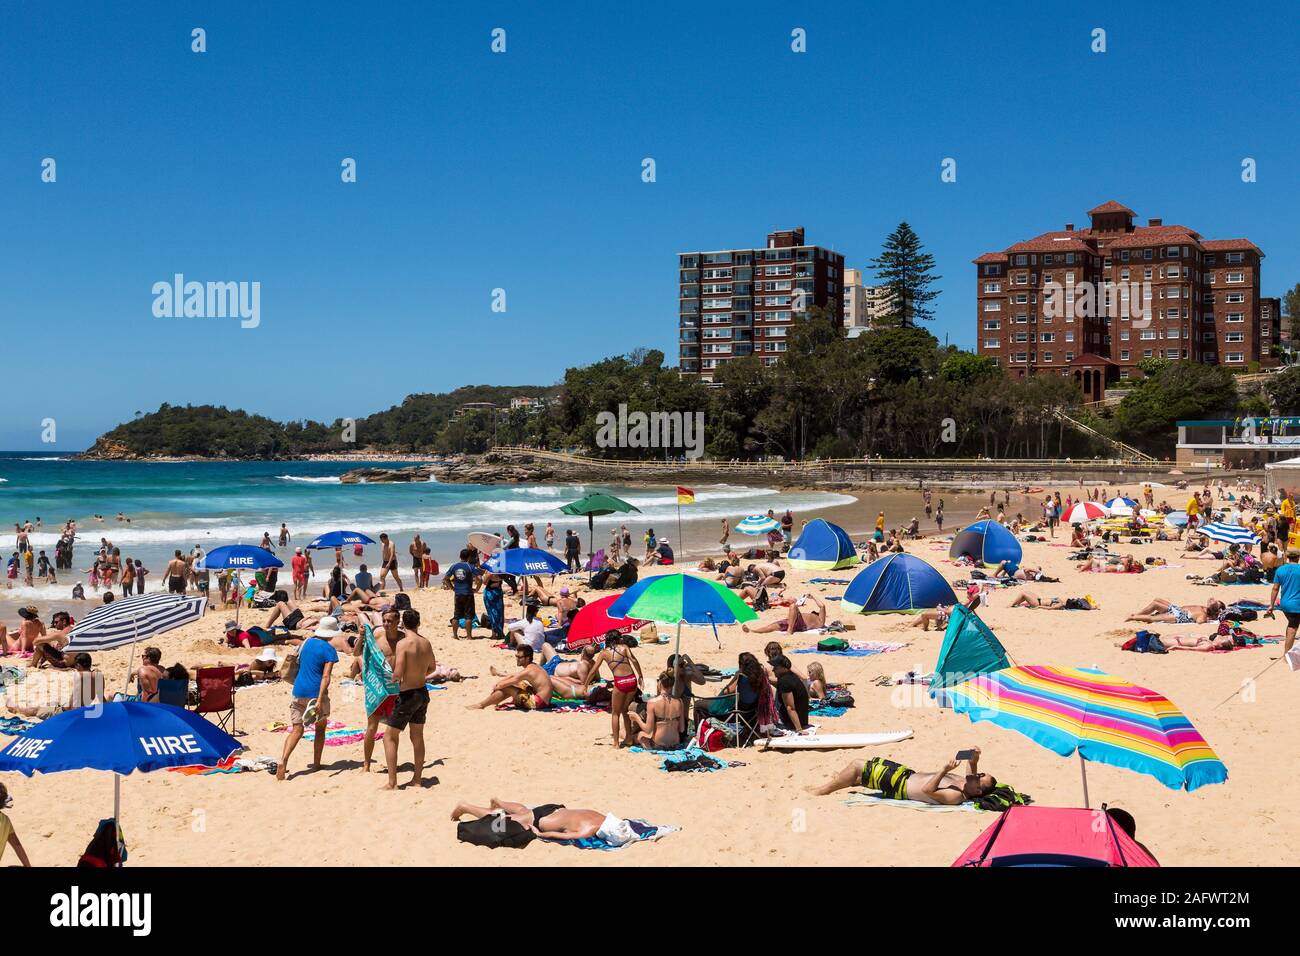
column 886, row 776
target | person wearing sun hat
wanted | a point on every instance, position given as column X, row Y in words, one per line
column 311, row 688
column 23, row 640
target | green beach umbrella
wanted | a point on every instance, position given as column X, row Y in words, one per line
column 597, row 505
column 678, row 598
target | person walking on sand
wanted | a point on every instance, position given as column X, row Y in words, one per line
column 464, row 579
column 417, row 558
column 1286, row 584
column 412, row 663
column 550, row 536
column 388, row 562
column 311, row 697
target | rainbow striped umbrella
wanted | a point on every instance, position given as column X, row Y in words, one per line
column 1103, row 718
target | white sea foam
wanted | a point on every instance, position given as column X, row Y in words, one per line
column 320, row 480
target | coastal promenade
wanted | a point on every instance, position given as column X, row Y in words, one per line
column 564, row 465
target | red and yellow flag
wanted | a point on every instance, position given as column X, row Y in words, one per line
column 685, row 496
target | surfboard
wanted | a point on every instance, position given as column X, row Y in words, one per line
column 835, row 741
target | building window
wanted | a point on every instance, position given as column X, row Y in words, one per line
column 993, row 343
column 1235, row 337
column 993, row 287
column 992, row 305
column 1234, row 358
column 1236, row 317
column 992, row 325
column 1047, row 356
column 1123, row 355
column 1236, row 277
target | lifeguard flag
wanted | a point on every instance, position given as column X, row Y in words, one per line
column 685, row 496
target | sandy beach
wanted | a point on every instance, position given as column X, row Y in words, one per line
column 756, row 813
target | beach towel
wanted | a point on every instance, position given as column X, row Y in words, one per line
column 337, row 733
column 828, row 580
column 376, row 674
column 874, row 799
column 229, row 765
column 13, row 726
column 560, row 705
column 824, row 709
column 644, row 831
column 857, row 649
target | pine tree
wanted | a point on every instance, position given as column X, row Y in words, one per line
column 906, row 269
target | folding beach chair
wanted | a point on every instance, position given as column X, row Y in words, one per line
column 217, row 695
column 174, row 692
column 726, row 708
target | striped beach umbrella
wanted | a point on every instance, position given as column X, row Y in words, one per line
column 757, row 524
column 1102, row 718
column 132, row 619
column 1083, row 512
column 681, row 598
column 1121, row 502
column 1228, row 533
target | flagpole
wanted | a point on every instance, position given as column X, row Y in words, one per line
column 681, row 542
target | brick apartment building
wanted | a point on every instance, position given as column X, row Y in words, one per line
column 1077, row 302
column 738, row 302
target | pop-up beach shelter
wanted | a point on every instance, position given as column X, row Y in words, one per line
column 987, row 542
column 1054, row 836
column 897, row 582
column 822, row 546
column 969, row 648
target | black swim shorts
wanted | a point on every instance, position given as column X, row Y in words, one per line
column 412, row 706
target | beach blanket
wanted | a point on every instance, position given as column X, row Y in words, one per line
column 857, row 649
column 229, row 765
column 644, row 831
column 13, row 726
column 874, row 799
column 822, row 709
column 560, row 705
column 337, row 733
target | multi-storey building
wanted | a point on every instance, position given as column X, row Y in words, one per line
column 864, row 305
column 1094, row 302
column 738, row 302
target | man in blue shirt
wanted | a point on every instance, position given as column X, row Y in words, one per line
column 464, row 579
column 1286, row 582
column 364, row 580
column 311, row 691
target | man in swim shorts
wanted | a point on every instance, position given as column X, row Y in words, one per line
column 897, row 782
column 529, row 688
column 411, row 665
column 1161, row 611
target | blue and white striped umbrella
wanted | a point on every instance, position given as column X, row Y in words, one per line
column 757, row 524
column 132, row 619
column 1121, row 502
column 1229, row 533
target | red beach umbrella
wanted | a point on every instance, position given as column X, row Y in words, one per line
column 591, row 622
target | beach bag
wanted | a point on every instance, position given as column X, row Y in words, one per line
column 1156, row 646
column 107, row 848
column 1002, row 798
column 833, row 644
column 289, row 669
column 709, row 738
column 494, row 830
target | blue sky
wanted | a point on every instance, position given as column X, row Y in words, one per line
column 522, row 171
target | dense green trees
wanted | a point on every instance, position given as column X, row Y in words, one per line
column 1170, row 391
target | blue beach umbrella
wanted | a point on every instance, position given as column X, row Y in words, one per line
column 126, row 621
column 523, row 562
column 1176, row 519
column 338, row 539
column 239, row 557
column 1228, row 533
column 121, row 738
column 1121, row 502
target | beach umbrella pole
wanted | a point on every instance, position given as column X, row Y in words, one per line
column 117, row 799
column 1083, row 769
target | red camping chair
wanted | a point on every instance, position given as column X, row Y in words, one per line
column 217, row 695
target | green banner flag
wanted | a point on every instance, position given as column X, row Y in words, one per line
column 376, row 674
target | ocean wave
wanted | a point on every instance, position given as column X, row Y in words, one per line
column 321, row 480
column 54, row 458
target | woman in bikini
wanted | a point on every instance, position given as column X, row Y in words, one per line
column 664, row 725
column 626, row 670
column 1161, row 611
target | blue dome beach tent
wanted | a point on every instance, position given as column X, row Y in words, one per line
column 822, row 546
column 987, row 542
column 897, row 583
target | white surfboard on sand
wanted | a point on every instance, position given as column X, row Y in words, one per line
column 835, row 741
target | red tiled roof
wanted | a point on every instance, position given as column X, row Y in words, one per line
column 1053, row 242
column 991, row 257
column 1214, row 245
column 1156, row 236
column 1111, row 206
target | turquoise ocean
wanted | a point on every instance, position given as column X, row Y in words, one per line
column 180, row 504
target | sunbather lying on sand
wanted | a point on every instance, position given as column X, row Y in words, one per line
column 1161, row 611
column 937, row 616
column 554, row 821
column 806, row 613
column 1186, row 642
column 896, row 782
column 1030, row 600
column 1126, row 565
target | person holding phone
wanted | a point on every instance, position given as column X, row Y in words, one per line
column 897, row 782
